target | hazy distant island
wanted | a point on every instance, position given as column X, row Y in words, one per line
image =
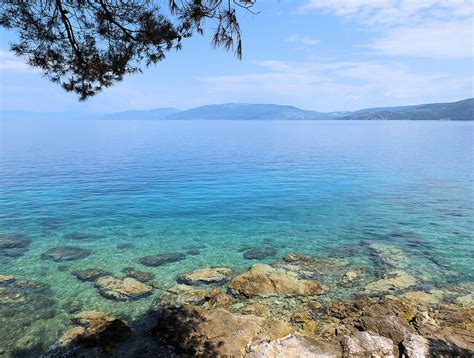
column 459, row 111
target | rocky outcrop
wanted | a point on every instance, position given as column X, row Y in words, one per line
column 96, row 329
column 264, row 281
column 215, row 333
column 292, row 346
column 161, row 259
column 122, row 289
column 206, row 276
column 65, row 253
column 367, row 344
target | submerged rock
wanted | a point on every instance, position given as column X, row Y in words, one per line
column 13, row 241
column 465, row 301
column 141, row 276
column 122, row 289
column 80, row 236
column 90, row 274
column 65, row 253
column 216, row 332
column 125, row 246
column 13, row 245
column 263, row 280
column 394, row 280
column 292, row 346
column 259, row 253
column 193, row 252
column 161, row 259
column 206, row 276
column 424, row 299
column 349, row 278
column 16, row 252
column 390, row 256
column 367, row 344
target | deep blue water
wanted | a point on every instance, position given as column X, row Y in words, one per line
column 315, row 187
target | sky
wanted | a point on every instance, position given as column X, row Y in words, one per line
column 324, row 55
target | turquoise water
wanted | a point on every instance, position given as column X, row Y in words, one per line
column 322, row 188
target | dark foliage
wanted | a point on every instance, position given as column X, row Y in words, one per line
column 88, row 45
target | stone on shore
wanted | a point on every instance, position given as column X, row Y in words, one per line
column 181, row 295
column 216, row 332
column 265, row 281
column 65, row 253
column 367, row 344
column 256, row 309
column 141, row 276
column 415, row 346
column 292, row 346
column 90, row 274
column 122, row 289
column 206, row 276
column 161, row 259
column 394, row 280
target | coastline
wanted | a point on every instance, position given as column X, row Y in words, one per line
column 291, row 307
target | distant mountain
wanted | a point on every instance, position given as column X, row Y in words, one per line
column 461, row 110
column 245, row 111
column 158, row 113
column 21, row 115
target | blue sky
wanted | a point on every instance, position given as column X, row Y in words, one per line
column 326, row 55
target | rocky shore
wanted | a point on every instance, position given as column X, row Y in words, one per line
column 292, row 307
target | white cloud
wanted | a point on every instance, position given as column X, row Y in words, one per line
column 304, row 40
column 329, row 86
column 435, row 40
column 421, row 28
column 8, row 62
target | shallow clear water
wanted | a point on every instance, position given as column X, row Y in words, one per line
column 315, row 187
